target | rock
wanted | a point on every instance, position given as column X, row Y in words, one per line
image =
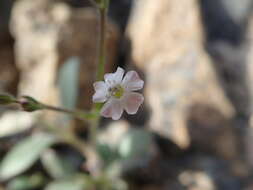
column 249, row 58
column 8, row 74
column 231, row 51
column 232, row 15
column 238, row 11
column 47, row 34
column 192, row 171
column 207, row 172
column 119, row 11
column 231, row 67
column 35, row 26
column 227, row 48
column 78, row 37
column 179, row 74
column 210, row 131
column 249, row 74
column 5, row 11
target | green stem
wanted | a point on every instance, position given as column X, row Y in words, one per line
column 93, row 131
column 89, row 152
column 76, row 113
column 101, row 65
column 30, row 104
column 102, row 43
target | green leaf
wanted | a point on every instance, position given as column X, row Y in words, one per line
column 68, row 82
column 63, row 185
column 26, row 182
column 136, row 150
column 107, row 153
column 6, row 99
column 56, row 166
column 77, row 182
column 135, row 143
column 24, row 154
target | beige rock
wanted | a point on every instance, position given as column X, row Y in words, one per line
column 167, row 39
column 79, row 37
column 35, row 28
column 47, row 34
column 8, row 72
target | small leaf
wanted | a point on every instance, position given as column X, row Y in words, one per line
column 63, row 185
column 106, row 153
column 77, row 182
column 136, row 150
column 119, row 184
column 6, row 99
column 56, row 166
column 135, row 143
column 68, row 82
column 26, row 182
column 24, row 154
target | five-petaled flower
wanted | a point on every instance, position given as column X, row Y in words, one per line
column 118, row 93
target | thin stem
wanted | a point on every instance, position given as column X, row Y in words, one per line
column 93, row 131
column 76, row 113
column 102, row 43
column 30, row 104
column 101, row 67
column 89, row 152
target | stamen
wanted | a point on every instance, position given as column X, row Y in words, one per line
column 117, row 91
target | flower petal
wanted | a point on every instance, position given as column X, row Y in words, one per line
column 132, row 81
column 99, row 97
column 112, row 108
column 100, row 85
column 114, row 78
column 101, row 91
column 132, row 102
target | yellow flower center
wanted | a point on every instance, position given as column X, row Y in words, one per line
column 117, row 91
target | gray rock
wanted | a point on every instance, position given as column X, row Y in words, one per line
column 179, row 74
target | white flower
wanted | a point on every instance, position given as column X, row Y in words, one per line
column 118, row 93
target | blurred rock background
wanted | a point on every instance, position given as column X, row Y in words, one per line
column 195, row 57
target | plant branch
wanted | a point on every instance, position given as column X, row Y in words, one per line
column 102, row 43
column 76, row 113
column 101, row 64
column 30, row 104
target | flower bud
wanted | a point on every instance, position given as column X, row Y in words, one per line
column 6, row 99
column 29, row 104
